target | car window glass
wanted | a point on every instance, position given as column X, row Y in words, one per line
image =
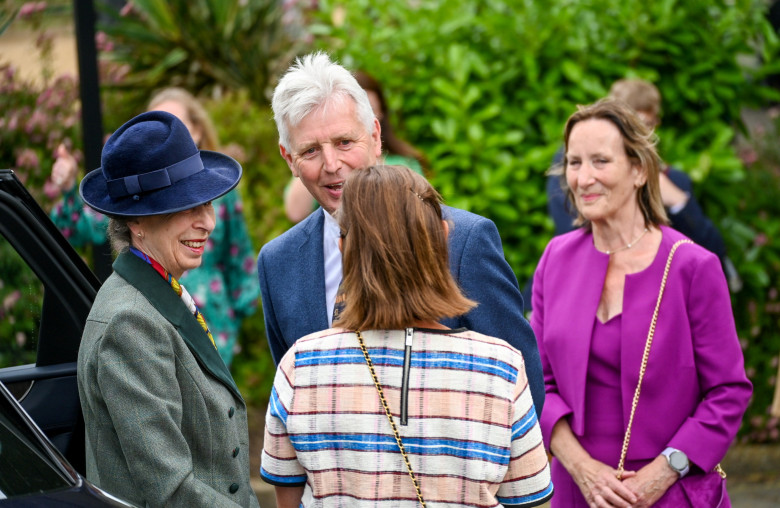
column 25, row 465
column 21, row 300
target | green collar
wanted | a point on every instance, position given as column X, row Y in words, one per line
column 162, row 297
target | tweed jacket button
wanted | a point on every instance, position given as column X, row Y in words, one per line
column 235, row 452
column 231, row 412
column 234, row 488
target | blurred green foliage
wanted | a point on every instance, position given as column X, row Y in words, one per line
column 198, row 44
column 21, row 299
column 484, row 87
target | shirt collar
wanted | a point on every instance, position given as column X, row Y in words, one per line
column 332, row 229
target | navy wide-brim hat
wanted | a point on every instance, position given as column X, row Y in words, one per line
column 151, row 166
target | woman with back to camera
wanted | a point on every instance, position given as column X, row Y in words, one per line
column 458, row 401
column 165, row 422
column 636, row 414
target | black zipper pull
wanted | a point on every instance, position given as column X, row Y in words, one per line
column 405, row 378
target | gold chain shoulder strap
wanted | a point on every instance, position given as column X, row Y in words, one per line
column 645, row 356
column 390, row 417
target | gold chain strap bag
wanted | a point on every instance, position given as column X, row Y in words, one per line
column 390, row 418
column 643, row 366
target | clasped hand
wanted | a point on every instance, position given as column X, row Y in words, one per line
column 637, row 489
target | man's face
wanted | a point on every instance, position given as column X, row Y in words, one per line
column 326, row 145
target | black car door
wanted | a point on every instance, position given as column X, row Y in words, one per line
column 46, row 291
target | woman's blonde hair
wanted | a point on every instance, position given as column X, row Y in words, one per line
column 394, row 246
column 639, row 143
column 195, row 110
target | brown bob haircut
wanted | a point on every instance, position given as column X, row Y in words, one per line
column 394, row 245
column 639, row 143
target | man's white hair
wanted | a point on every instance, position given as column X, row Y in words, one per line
column 315, row 82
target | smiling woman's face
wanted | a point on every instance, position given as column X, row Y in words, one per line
column 599, row 172
column 177, row 240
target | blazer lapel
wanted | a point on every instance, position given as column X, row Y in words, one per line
column 310, row 271
column 578, row 285
column 159, row 293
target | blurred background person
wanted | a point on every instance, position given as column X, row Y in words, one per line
column 225, row 286
column 462, row 410
column 299, row 203
column 165, row 422
column 594, row 294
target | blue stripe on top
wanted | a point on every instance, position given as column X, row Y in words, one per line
column 283, row 479
column 524, row 424
column 530, row 498
column 387, row 443
column 395, row 357
column 276, row 407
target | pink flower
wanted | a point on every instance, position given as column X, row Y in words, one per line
column 11, row 299
column 21, row 339
column 234, row 250
column 30, row 8
column 760, row 240
column 748, row 156
column 103, row 43
column 27, row 159
column 127, row 9
column 215, row 285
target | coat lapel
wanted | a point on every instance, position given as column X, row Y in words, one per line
column 310, row 270
column 579, row 288
column 146, row 280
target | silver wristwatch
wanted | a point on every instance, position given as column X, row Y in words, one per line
column 677, row 460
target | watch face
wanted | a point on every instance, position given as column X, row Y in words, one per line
column 678, row 461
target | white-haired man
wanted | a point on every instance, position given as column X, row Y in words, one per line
column 327, row 129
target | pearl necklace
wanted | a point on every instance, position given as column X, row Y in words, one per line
column 626, row 246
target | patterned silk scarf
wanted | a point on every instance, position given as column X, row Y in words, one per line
column 179, row 289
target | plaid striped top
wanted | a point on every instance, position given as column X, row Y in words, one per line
column 472, row 435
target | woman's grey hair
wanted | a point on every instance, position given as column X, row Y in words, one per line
column 312, row 82
column 119, row 233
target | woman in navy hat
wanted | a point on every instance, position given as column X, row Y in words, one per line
column 165, row 422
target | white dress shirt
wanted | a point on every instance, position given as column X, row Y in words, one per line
column 332, row 257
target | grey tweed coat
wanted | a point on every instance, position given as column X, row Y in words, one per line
column 165, row 423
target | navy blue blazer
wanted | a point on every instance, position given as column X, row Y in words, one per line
column 292, row 285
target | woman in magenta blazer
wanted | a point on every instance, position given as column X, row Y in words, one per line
column 594, row 293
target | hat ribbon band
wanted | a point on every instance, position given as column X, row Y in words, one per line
column 154, row 180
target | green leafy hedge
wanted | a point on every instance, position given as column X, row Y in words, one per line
column 484, row 88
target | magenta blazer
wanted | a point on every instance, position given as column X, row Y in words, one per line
column 695, row 390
